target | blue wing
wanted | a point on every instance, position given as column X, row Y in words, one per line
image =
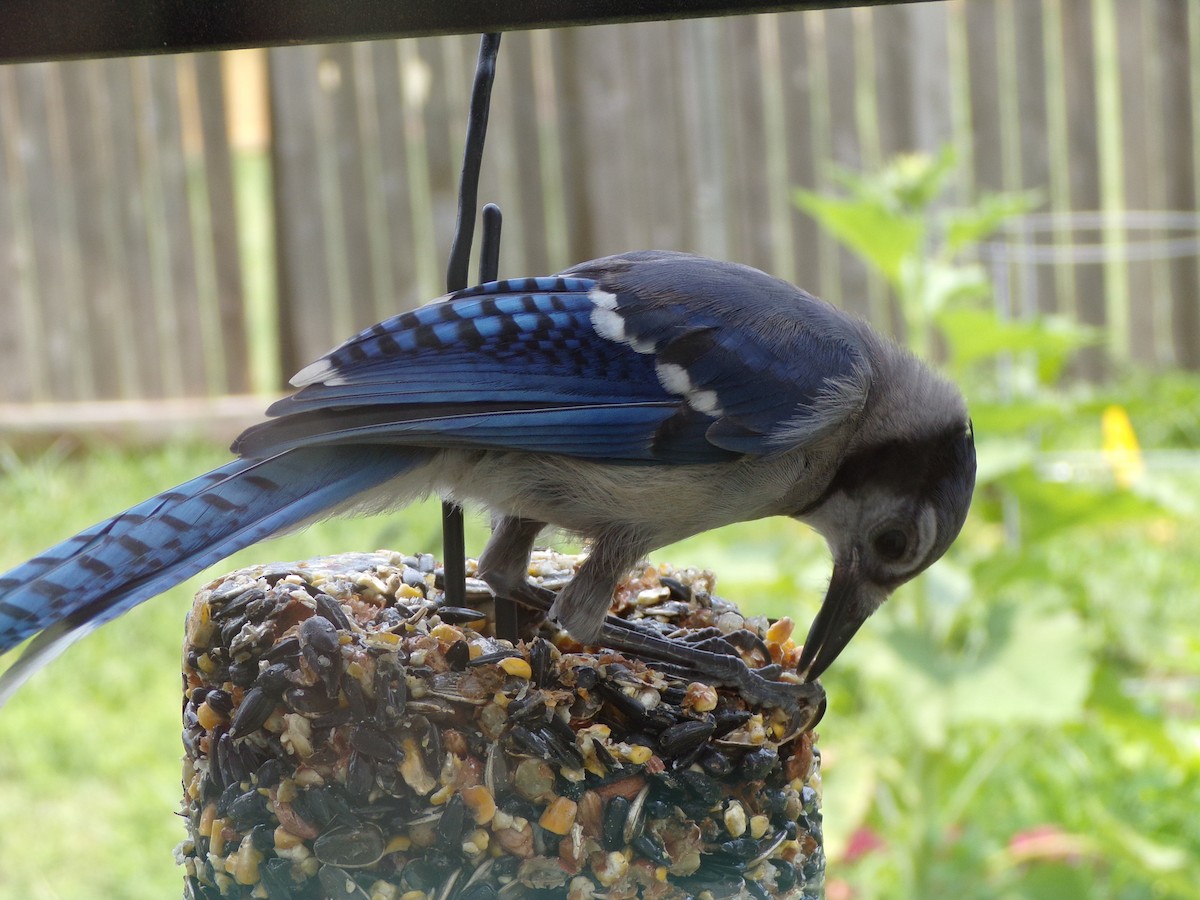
column 651, row 357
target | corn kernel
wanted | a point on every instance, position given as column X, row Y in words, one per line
column 408, row 592
column 308, row 864
column 559, row 815
column 246, row 860
column 216, row 838
column 285, row 840
column 780, row 630
column 208, row 717
column 476, row 842
column 700, row 697
column 306, row 776
column 381, row 890
column 759, row 826
column 638, row 754
column 735, row 819
column 611, row 868
column 480, row 802
column 516, row 666
column 446, row 633
column 377, row 638
column 412, row 769
column 398, row 843
column 206, row 818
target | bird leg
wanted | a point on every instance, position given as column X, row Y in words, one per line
column 504, row 566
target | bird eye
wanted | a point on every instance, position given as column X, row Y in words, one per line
column 891, row 544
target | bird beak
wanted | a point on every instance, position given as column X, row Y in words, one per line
column 848, row 602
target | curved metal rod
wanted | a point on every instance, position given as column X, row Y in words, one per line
column 454, row 544
column 468, row 190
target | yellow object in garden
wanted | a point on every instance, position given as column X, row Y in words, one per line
column 1120, row 446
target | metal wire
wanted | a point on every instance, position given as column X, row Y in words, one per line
column 454, row 544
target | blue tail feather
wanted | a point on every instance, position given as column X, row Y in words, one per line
column 111, row 567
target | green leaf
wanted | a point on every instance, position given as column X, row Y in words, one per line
column 1050, row 508
column 997, row 458
column 1143, row 737
column 1033, row 668
column 880, row 237
column 909, row 182
column 948, row 286
column 1016, row 417
column 976, row 334
column 968, row 226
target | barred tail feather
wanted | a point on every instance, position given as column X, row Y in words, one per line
column 111, row 567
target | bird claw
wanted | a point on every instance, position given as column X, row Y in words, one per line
column 804, row 701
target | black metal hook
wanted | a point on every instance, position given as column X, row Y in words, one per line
column 454, row 545
column 468, row 189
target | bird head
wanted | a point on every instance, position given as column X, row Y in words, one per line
column 890, row 512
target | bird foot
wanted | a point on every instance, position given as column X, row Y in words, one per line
column 804, row 701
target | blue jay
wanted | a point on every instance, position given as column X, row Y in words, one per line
column 633, row 400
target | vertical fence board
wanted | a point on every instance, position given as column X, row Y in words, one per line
column 1084, row 168
column 894, row 81
column 393, row 183
column 124, row 112
column 844, row 146
column 366, row 182
column 445, row 127
column 1136, row 157
column 569, row 78
column 704, row 123
column 749, row 195
column 303, row 280
column 178, row 293
column 223, row 225
column 1039, row 288
column 101, row 276
column 20, row 333
column 415, row 75
column 353, row 247
column 63, row 334
column 987, row 166
column 930, row 104
column 797, row 84
column 378, row 61
column 527, row 199
column 1179, row 109
column 122, row 255
column 656, row 136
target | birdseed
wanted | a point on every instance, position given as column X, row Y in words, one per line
column 347, row 734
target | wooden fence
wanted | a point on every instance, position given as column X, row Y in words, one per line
column 123, row 274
